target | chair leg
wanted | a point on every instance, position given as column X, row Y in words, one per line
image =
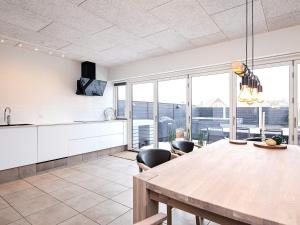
column 199, row 220
column 169, row 215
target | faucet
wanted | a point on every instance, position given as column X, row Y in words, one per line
column 7, row 118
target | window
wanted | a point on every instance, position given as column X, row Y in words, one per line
column 210, row 108
column 275, row 81
column 171, row 111
column 121, row 99
column 142, row 116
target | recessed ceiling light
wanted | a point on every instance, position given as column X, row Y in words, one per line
column 2, row 40
column 36, row 49
column 20, row 45
column 50, row 53
column 63, row 55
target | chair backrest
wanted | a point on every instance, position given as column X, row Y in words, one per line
column 153, row 157
column 184, row 146
column 258, row 139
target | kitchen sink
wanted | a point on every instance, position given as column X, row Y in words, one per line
column 14, row 125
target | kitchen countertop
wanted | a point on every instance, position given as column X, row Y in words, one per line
column 63, row 123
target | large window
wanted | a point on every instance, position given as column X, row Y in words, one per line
column 121, row 99
column 142, row 116
column 275, row 81
column 298, row 106
column 171, row 111
column 210, row 108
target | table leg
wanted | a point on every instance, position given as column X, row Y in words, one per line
column 143, row 206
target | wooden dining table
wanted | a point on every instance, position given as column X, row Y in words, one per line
column 225, row 183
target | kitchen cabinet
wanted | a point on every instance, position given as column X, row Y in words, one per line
column 18, row 146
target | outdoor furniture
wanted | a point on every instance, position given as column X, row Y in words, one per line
column 183, row 147
column 215, row 134
column 272, row 132
column 242, row 133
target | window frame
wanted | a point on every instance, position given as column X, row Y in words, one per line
column 116, row 96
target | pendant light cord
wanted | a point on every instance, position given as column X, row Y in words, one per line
column 247, row 32
column 252, row 36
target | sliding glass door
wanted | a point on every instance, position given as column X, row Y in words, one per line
column 210, row 108
column 297, row 113
column 142, row 116
column 171, row 111
column 276, row 95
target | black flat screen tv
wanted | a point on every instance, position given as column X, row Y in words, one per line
column 90, row 87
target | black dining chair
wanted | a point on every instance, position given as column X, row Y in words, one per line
column 150, row 158
column 183, row 147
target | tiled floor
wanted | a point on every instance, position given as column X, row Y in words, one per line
column 91, row 193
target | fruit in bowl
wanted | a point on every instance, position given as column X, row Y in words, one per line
column 271, row 142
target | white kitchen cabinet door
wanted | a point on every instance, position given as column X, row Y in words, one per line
column 53, row 142
column 18, row 147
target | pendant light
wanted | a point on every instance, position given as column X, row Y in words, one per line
column 250, row 87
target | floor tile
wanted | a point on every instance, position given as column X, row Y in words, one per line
column 79, row 220
column 20, row 222
column 8, row 215
column 3, row 204
column 106, row 212
column 110, row 190
column 23, row 196
column 52, row 215
column 34, row 205
column 52, row 186
column 41, row 179
column 125, row 219
column 125, row 198
column 93, row 183
column 78, row 178
column 13, row 186
column 85, row 201
column 68, row 192
column 64, row 172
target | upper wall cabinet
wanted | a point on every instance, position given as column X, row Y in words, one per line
column 18, row 147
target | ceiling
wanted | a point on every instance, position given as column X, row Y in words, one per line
column 114, row 32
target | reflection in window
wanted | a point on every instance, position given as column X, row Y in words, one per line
column 275, row 83
column 171, row 111
column 142, row 116
column 210, row 108
column 121, row 101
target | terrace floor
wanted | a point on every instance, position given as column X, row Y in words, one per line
column 91, row 193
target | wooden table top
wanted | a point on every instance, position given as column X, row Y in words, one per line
column 244, row 183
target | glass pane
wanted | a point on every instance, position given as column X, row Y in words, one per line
column 142, row 116
column 210, row 108
column 275, row 82
column 121, row 101
column 298, row 88
column 171, row 111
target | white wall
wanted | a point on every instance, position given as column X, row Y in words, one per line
column 41, row 89
column 267, row 44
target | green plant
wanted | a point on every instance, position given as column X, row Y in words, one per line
column 201, row 138
column 172, row 135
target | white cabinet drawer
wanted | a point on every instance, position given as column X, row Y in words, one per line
column 18, row 147
column 80, row 146
column 96, row 129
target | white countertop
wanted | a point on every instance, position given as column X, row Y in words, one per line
column 62, row 123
